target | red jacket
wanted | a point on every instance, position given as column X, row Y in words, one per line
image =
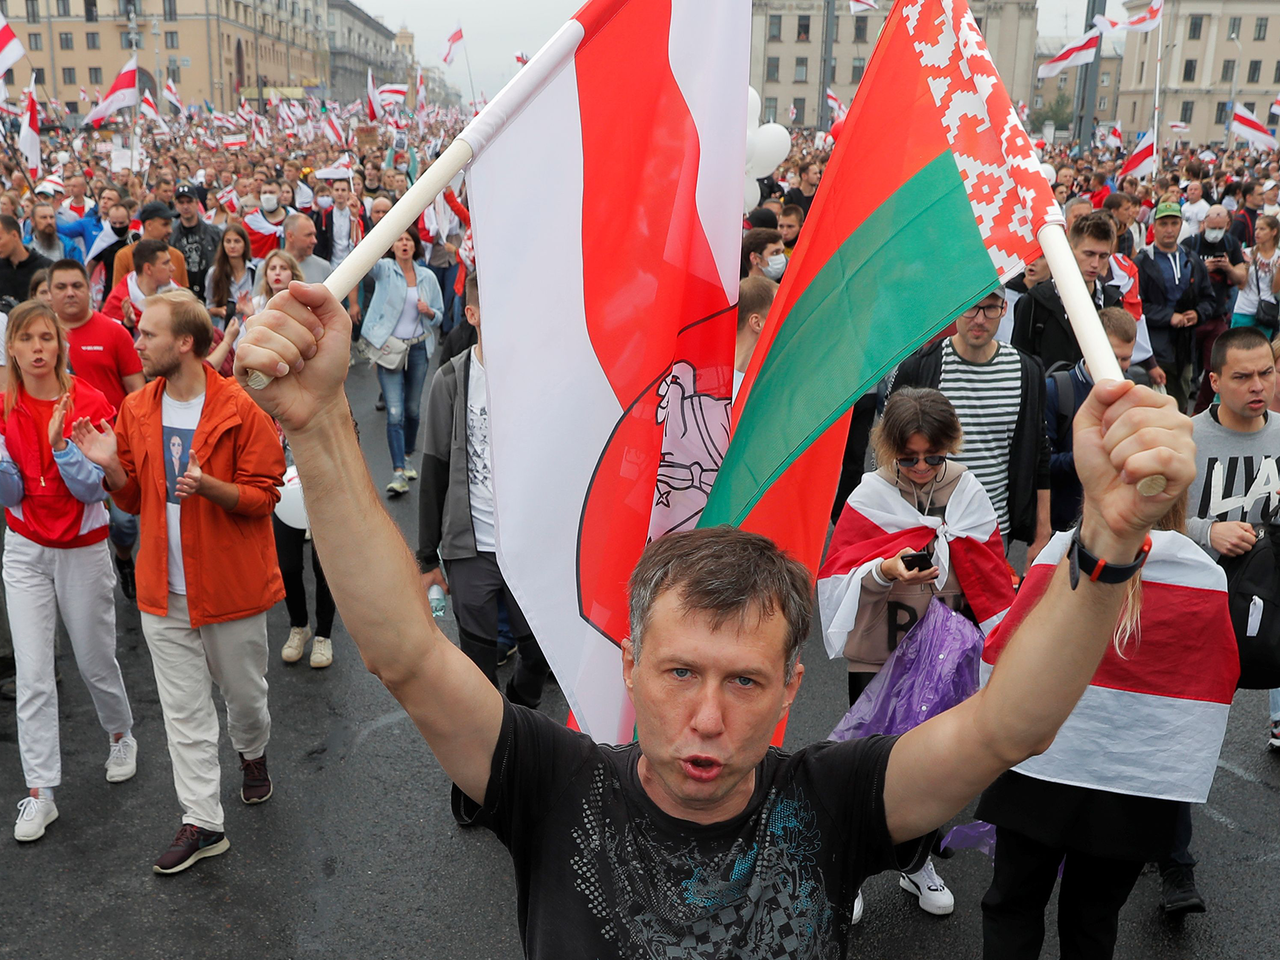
column 113, row 306
column 49, row 514
column 229, row 556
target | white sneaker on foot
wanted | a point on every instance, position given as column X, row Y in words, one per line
column 321, row 652
column 925, row 883
column 122, row 761
column 34, row 814
column 857, row 910
column 291, row 652
column 398, row 484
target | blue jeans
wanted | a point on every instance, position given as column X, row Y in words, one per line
column 123, row 528
column 402, row 390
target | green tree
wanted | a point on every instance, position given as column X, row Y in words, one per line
column 1060, row 112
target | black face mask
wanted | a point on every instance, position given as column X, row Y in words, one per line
column 119, row 230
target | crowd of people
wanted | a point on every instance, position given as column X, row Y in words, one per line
column 132, row 456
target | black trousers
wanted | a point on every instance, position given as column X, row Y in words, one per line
column 475, row 584
column 290, row 546
column 1180, row 854
column 1093, row 891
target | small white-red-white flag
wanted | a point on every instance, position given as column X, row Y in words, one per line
column 84, row 95
column 11, row 50
column 29, row 135
column 1111, row 135
column 861, row 6
column 1142, row 162
column 1177, row 126
column 454, row 39
column 332, row 131
column 1250, row 127
column 148, row 109
column 1074, row 54
column 1144, row 22
column 235, row 141
column 123, row 93
column 245, row 112
column 1275, row 107
column 521, row 57
column 837, row 108
column 420, row 102
column 171, row 94
column 372, row 101
column 791, row 111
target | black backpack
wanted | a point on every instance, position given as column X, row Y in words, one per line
column 1253, row 594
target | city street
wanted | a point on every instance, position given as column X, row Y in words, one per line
column 357, row 855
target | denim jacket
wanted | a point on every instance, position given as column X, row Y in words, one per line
column 388, row 301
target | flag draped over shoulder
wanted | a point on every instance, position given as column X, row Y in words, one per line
column 895, row 246
column 1151, row 722
column 877, row 523
column 610, row 375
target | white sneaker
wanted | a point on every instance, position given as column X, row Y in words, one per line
column 857, row 910
column 291, row 652
column 34, row 814
column 398, row 484
column 122, row 761
column 321, row 652
column 925, row 883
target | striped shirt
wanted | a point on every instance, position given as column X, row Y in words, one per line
column 987, row 397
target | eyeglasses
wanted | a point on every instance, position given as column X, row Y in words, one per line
column 993, row 311
column 933, row 460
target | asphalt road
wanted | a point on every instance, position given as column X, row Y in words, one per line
column 356, row 854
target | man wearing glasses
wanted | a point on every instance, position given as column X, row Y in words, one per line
column 998, row 393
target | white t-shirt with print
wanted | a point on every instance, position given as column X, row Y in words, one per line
column 180, row 419
column 479, row 464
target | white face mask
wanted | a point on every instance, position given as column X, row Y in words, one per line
column 1214, row 234
column 776, row 265
column 270, row 202
column 324, row 203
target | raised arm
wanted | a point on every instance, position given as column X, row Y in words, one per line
column 370, row 569
column 1123, row 433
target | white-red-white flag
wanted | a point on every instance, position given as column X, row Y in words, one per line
column 373, row 102
column 29, row 134
column 245, row 112
column 521, row 57
column 84, row 95
column 393, row 93
column 1275, row 107
column 224, row 120
column 123, row 93
column 862, row 6
column 1251, row 128
column 838, row 109
column 1111, row 135
column 455, row 38
column 332, row 131
column 235, row 141
column 1142, row 162
column 148, row 109
column 11, row 49
column 420, row 102
column 791, row 112
column 566, row 526
column 171, row 94
column 1177, row 126
column 1074, row 54
column 1144, row 22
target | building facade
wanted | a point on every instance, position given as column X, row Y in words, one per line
column 215, row 50
column 359, row 42
column 1044, row 93
column 1212, row 48
column 787, row 43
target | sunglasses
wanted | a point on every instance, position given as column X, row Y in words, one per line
column 933, row 460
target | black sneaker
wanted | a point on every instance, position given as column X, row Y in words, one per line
column 380, row 404
column 128, row 586
column 257, row 784
column 506, row 654
column 191, row 844
column 1180, row 894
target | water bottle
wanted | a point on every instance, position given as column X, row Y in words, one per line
column 435, row 594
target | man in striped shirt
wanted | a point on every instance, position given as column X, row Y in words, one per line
column 998, row 393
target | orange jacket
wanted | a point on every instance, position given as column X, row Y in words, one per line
column 229, row 557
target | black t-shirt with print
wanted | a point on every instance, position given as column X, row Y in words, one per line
column 601, row 872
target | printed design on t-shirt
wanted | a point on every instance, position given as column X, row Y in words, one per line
column 1254, row 480
column 177, row 449
column 695, row 436
column 666, row 899
column 478, row 469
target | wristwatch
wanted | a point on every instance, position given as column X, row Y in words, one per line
column 1098, row 570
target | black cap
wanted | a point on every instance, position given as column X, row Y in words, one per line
column 155, row 210
column 186, row 190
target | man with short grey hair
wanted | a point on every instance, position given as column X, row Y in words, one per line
column 300, row 243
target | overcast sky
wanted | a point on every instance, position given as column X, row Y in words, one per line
column 496, row 29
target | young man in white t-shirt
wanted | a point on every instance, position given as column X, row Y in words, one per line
column 206, row 568
column 456, row 518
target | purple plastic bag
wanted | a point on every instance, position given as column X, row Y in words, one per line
column 931, row 670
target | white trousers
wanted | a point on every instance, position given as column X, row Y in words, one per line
column 39, row 583
column 188, row 661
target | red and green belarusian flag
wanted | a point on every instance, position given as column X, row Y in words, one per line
column 932, row 199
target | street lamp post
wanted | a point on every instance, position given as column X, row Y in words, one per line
column 1235, row 86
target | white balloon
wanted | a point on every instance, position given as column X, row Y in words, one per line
column 753, row 109
column 751, row 148
column 750, row 194
column 1049, row 172
column 772, row 144
column 291, row 508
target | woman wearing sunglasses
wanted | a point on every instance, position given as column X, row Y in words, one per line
column 918, row 514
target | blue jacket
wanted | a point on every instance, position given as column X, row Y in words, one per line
column 389, row 293
column 82, row 229
column 70, row 249
column 1066, row 495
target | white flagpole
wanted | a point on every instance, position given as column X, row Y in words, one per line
column 1155, row 172
column 545, row 65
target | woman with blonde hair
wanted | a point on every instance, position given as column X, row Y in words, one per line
column 56, row 559
column 275, row 272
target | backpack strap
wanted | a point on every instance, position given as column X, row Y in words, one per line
column 1066, row 400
